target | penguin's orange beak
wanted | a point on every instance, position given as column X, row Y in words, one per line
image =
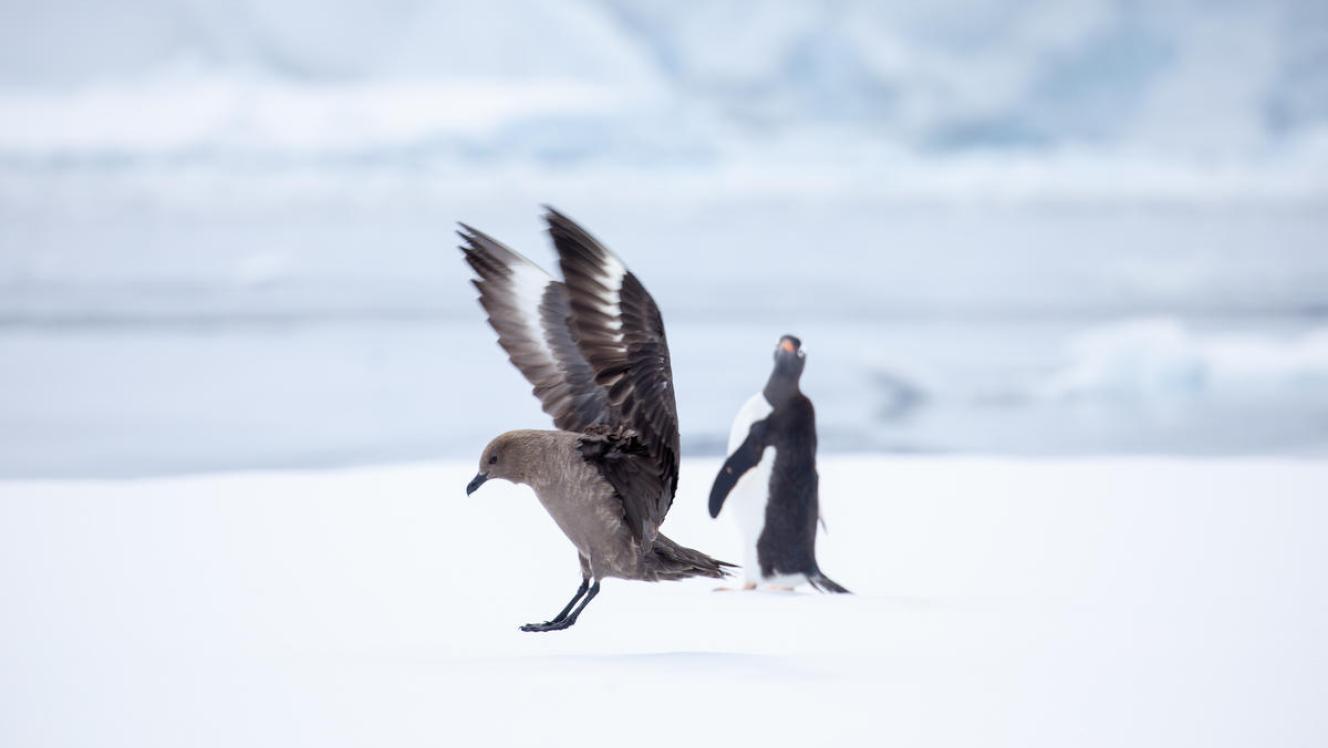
column 787, row 345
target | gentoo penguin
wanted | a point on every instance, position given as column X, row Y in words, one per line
column 593, row 347
column 770, row 481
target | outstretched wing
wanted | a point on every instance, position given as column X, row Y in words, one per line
column 530, row 311
column 619, row 330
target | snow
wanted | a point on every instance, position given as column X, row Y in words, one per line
column 1160, row 358
column 139, row 340
column 1073, row 228
column 1124, row 601
column 222, row 222
column 1000, row 99
column 1188, row 76
column 184, row 113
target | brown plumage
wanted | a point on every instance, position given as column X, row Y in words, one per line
column 593, row 348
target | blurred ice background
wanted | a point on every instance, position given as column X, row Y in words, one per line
column 1000, row 227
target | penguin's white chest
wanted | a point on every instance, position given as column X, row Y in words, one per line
column 747, row 501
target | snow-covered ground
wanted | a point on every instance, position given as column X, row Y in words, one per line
column 1111, row 602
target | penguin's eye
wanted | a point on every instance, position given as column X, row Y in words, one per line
column 493, row 460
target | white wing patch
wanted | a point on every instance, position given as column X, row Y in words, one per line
column 612, row 279
column 528, row 285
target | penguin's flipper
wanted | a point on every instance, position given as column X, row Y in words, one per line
column 744, row 458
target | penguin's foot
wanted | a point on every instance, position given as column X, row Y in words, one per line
column 746, row 587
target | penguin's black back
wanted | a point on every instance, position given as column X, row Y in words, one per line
column 787, row 544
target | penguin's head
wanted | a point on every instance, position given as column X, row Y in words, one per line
column 789, row 357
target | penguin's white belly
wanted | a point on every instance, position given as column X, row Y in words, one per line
column 747, row 500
